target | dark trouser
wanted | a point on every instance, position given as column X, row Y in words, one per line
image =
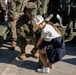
column 55, row 49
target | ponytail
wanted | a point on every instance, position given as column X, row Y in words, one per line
column 54, row 27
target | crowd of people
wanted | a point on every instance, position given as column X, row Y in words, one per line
column 31, row 19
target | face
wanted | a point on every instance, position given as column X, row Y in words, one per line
column 29, row 16
column 41, row 25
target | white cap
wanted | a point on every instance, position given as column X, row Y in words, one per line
column 37, row 20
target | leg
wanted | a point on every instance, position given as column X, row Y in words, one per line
column 43, row 57
column 22, row 43
column 22, row 55
column 12, row 26
column 13, row 44
column 34, row 51
column 40, row 64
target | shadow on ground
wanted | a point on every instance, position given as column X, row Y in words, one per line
column 71, row 61
column 7, row 56
column 71, row 51
column 72, row 42
column 30, row 64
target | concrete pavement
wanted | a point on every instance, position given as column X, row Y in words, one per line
column 11, row 65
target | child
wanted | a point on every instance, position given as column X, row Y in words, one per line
column 50, row 41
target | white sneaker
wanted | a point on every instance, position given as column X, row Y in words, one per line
column 44, row 70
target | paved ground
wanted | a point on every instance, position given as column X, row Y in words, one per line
column 11, row 65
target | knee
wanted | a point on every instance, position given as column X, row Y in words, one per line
column 42, row 51
column 21, row 41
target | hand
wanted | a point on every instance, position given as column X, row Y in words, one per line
column 14, row 18
column 37, row 45
column 39, row 2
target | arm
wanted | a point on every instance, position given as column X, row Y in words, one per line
column 3, row 6
column 39, row 41
column 14, row 6
column 12, row 9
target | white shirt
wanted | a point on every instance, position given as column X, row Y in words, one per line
column 48, row 33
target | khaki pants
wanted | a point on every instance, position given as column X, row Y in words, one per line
column 12, row 26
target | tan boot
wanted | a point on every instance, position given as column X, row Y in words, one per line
column 13, row 44
column 22, row 56
column 35, row 53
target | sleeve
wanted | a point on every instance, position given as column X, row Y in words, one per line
column 12, row 8
column 43, row 34
column 16, row 6
column 3, row 5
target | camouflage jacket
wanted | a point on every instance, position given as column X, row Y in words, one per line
column 3, row 5
column 24, row 26
column 16, row 7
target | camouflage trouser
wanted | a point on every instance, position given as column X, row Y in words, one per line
column 22, row 32
column 22, row 43
column 12, row 28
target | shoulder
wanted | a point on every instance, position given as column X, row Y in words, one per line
column 48, row 26
column 45, row 29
